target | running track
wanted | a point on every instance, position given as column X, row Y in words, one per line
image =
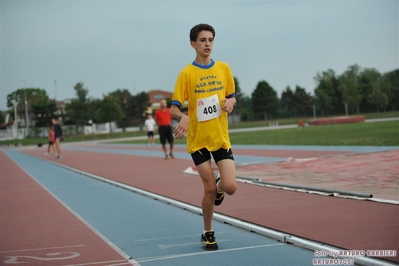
column 105, row 224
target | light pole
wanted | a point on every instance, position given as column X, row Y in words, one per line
column 55, row 90
column 55, row 95
column 15, row 119
column 26, row 111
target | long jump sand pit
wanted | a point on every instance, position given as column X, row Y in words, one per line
column 375, row 173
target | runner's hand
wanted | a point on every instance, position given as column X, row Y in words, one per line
column 181, row 129
column 228, row 104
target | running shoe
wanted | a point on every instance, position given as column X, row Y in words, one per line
column 219, row 193
column 208, row 241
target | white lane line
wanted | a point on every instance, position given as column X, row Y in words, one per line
column 108, row 263
column 141, row 260
column 163, row 246
column 88, row 225
column 171, row 237
column 36, row 249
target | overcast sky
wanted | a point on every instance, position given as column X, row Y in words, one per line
column 143, row 45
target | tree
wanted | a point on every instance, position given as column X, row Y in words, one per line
column 323, row 101
column 34, row 96
column 369, row 81
column 3, row 123
column 245, row 108
column 123, row 97
column 391, row 88
column 349, row 85
column 238, row 95
column 287, row 101
column 78, row 109
column 43, row 110
column 378, row 98
column 95, row 106
column 328, row 96
column 137, row 107
column 302, row 101
column 110, row 110
column 264, row 99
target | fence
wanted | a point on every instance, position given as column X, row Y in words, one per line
column 11, row 133
column 106, row 128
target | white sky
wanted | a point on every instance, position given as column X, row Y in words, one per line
column 143, row 45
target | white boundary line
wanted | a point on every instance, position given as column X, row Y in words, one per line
column 203, row 253
column 277, row 235
column 337, row 194
column 36, row 249
column 95, row 231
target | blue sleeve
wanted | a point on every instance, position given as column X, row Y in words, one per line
column 177, row 103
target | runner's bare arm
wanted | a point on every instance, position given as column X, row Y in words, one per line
column 183, row 119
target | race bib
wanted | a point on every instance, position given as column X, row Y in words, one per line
column 208, row 108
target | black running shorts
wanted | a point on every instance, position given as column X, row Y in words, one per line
column 204, row 155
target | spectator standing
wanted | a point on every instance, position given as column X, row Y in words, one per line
column 164, row 119
column 57, row 137
column 149, row 125
column 51, row 138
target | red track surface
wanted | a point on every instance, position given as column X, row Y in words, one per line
column 37, row 229
column 241, row 151
column 344, row 223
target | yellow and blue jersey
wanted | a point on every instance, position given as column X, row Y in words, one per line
column 194, row 83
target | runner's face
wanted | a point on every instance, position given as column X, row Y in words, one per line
column 204, row 43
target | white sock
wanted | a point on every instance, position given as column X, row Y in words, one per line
column 206, row 231
column 217, row 186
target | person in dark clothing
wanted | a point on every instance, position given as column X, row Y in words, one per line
column 58, row 136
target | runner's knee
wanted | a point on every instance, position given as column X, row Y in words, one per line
column 230, row 189
column 210, row 191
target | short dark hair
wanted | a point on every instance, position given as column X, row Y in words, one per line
column 198, row 28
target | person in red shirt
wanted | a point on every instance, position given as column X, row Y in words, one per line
column 164, row 118
column 51, row 138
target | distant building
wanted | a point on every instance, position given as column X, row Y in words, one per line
column 156, row 96
column 60, row 105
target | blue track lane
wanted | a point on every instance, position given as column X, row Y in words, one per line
column 153, row 232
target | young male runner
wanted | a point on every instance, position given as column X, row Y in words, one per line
column 208, row 86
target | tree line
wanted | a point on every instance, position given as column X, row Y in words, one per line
column 119, row 105
column 354, row 91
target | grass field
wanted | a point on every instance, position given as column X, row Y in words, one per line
column 359, row 134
